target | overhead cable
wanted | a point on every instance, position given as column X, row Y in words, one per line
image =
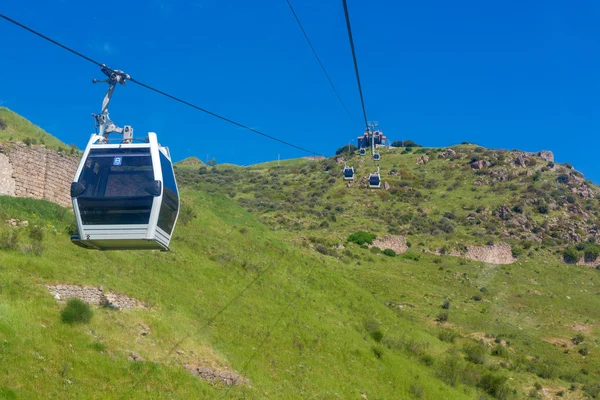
column 157, row 90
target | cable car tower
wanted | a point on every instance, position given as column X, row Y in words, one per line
column 124, row 195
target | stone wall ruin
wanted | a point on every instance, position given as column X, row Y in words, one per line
column 36, row 172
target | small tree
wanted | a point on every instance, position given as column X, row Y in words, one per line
column 212, row 162
column 3, row 125
column 346, row 149
column 405, row 143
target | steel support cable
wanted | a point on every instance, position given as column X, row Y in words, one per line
column 362, row 101
column 319, row 60
column 157, row 90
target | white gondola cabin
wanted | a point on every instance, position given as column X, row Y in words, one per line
column 376, row 157
column 375, row 180
column 348, row 173
column 125, row 196
column 362, row 151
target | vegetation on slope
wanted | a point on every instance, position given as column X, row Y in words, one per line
column 13, row 127
column 230, row 294
column 273, row 274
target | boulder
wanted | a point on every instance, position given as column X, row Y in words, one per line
column 479, row 164
column 447, row 153
column 546, row 155
column 422, row 160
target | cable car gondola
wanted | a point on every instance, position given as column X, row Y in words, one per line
column 362, row 151
column 376, row 157
column 348, row 173
column 125, row 195
column 375, row 180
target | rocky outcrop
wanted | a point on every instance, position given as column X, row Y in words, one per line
column 498, row 253
column 447, row 153
column 212, row 375
column 396, row 243
column 422, row 160
column 503, row 212
column 94, row 295
column 546, row 155
column 480, row 164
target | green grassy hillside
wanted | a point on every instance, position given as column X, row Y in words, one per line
column 263, row 281
column 14, row 127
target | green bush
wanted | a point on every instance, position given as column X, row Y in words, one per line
column 36, row 234
column 475, row 352
column 9, row 240
column 362, row 237
column 76, row 311
column 591, row 252
column 578, row 339
column 3, row 125
column 448, row 335
column 571, row 255
column 442, row 317
column 377, row 335
column 494, row 385
column 517, row 251
column 389, row 252
column 500, row 351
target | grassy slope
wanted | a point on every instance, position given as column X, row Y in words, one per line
column 318, row 349
column 537, row 300
column 20, row 129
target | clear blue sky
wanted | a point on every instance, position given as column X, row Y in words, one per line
column 503, row 74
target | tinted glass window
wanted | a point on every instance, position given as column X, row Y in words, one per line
column 115, row 182
column 170, row 201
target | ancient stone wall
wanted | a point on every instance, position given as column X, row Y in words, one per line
column 37, row 172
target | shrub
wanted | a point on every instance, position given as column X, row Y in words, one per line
column 584, row 351
column 500, row 351
column 322, row 249
column 378, row 351
column 36, row 234
column 448, row 335
column 562, row 178
column 442, row 317
column 389, row 252
column 517, row 251
column 377, row 335
column 591, row 252
column 543, row 208
column 76, row 311
column 9, row 240
column 571, row 255
column 477, row 297
column 494, row 385
column 362, row 237
column 446, row 304
column 578, row 339
column 3, row 125
column 475, row 352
